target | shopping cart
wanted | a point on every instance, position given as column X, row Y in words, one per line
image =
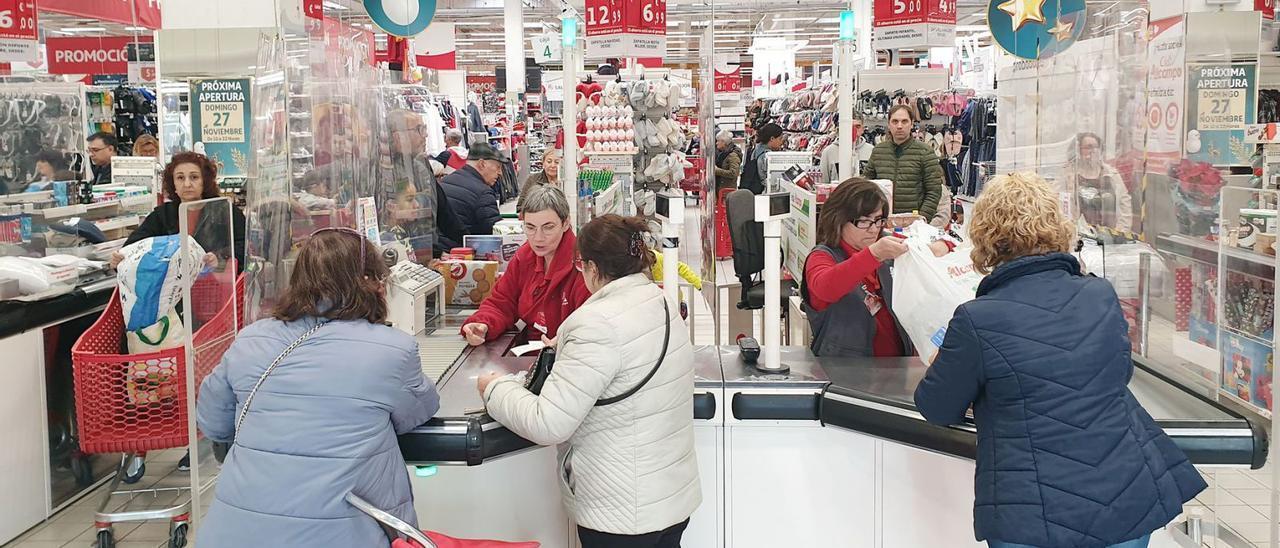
column 404, row 535
column 134, row 403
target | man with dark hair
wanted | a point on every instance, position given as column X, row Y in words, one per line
column 102, row 148
column 910, row 164
column 755, row 168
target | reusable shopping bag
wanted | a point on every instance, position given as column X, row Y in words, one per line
column 927, row 289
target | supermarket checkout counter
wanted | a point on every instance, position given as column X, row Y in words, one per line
column 835, row 449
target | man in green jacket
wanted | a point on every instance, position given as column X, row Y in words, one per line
column 910, row 164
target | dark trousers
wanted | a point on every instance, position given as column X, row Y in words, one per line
column 666, row 538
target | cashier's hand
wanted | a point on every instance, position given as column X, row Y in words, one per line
column 116, row 259
column 551, row 343
column 475, row 333
column 210, row 260
column 888, row 248
column 482, row 382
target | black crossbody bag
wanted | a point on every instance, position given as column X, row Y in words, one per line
column 546, row 360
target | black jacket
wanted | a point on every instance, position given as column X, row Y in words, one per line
column 210, row 231
column 473, row 202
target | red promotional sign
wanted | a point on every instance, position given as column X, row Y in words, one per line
column 729, row 82
column 18, row 19
column 313, row 8
column 604, row 17
column 1267, row 7
column 104, row 55
column 889, row 13
column 142, row 13
column 626, row 28
column 646, row 16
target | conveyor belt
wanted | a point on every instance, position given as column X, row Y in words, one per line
column 876, row 397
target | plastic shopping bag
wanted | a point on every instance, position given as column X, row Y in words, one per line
column 927, row 290
column 152, row 277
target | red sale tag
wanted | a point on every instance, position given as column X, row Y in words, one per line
column 646, row 16
column 313, row 8
column 604, row 17
column 18, row 19
column 889, row 13
column 1267, row 7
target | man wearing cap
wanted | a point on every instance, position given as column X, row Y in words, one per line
column 470, row 190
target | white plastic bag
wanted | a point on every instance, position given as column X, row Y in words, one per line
column 927, row 289
column 152, row 276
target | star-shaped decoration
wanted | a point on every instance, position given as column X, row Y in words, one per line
column 1062, row 31
column 1024, row 10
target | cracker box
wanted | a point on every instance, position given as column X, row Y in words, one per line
column 499, row 247
column 468, row 283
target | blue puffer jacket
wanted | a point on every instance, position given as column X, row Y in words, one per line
column 322, row 425
column 473, row 202
column 1066, row 455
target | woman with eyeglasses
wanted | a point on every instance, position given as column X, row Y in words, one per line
column 312, row 400
column 618, row 401
column 848, row 284
column 540, row 285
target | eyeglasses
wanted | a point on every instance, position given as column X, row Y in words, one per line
column 546, row 230
column 95, row 150
column 864, row 224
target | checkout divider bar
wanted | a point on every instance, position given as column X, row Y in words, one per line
column 871, row 397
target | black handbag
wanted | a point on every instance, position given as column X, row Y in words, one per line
column 541, row 369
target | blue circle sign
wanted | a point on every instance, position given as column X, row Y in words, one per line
column 1036, row 29
column 378, row 12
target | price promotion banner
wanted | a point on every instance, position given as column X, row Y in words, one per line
column 1267, row 7
column 728, row 75
column 626, row 28
column 1166, row 86
column 19, row 40
column 914, row 23
column 1220, row 103
column 221, row 120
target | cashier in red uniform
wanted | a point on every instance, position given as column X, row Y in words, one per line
column 848, row 283
column 541, row 285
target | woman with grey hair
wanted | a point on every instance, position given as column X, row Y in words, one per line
column 541, row 285
column 550, row 175
column 728, row 161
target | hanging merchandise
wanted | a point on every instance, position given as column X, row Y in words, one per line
column 134, row 112
column 37, row 117
column 978, row 124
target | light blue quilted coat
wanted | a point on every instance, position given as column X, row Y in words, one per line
column 323, row 424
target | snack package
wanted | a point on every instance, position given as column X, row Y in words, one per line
column 468, row 283
column 500, row 248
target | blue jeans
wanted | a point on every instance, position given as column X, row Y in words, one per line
column 1135, row 543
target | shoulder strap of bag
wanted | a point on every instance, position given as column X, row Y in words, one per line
column 287, row 350
column 666, row 339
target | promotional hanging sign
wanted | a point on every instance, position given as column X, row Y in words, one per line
column 1036, row 29
column 548, row 49
column 1267, row 7
column 142, row 13
column 313, row 9
column 626, row 28
column 142, row 62
column 1221, row 100
column 88, row 55
column 221, row 119
column 1166, row 88
column 436, row 47
column 913, row 23
column 728, row 75
column 19, row 39
column 387, row 21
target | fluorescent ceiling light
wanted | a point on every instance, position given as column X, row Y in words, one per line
column 473, row 23
column 971, row 28
column 486, row 34
column 137, row 29
column 334, row 5
column 84, row 29
column 829, row 20
column 533, row 25
column 793, row 19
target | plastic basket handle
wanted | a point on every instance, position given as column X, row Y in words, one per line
column 390, row 522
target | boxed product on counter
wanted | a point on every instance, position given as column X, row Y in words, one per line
column 468, row 283
column 1246, row 370
column 501, row 248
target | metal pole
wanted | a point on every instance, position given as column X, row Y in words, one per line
column 773, row 297
column 1144, row 279
column 569, row 167
column 844, row 78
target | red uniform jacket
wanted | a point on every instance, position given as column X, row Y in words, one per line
column 527, row 291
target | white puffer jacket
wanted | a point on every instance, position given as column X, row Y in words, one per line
column 627, row 468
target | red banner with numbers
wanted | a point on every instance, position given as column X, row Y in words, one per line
column 19, row 39
column 142, row 13
column 313, row 8
column 626, row 28
column 1267, row 7
column 913, row 23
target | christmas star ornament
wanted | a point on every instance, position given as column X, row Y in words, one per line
column 1023, row 11
column 1036, row 29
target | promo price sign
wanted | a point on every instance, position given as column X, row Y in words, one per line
column 19, row 40
column 1220, row 102
column 1267, row 7
column 626, row 28
column 914, row 23
column 220, row 119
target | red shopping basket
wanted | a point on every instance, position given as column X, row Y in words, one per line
column 129, row 403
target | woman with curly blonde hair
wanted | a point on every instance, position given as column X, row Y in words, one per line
column 1066, row 455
